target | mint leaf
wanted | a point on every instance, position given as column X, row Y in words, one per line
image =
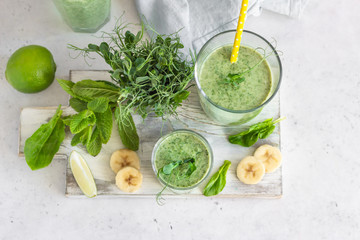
column 67, row 86
column 81, row 120
column 127, row 128
column 98, row 105
column 93, row 146
column 82, row 137
column 67, row 120
column 104, row 122
column 41, row 147
column 89, row 90
column 77, row 104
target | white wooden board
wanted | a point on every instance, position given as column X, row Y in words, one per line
column 191, row 117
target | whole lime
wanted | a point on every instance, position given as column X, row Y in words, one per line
column 30, row 69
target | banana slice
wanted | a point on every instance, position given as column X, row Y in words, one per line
column 250, row 170
column 129, row 179
column 270, row 156
column 123, row 158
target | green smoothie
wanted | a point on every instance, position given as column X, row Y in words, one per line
column 84, row 15
column 250, row 93
column 181, row 145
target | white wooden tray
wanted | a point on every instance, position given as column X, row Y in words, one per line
column 190, row 116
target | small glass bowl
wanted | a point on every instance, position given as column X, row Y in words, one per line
column 223, row 115
column 180, row 190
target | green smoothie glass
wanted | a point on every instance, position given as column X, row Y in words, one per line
column 84, row 15
column 181, row 145
column 206, row 75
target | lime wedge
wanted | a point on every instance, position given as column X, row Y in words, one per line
column 82, row 174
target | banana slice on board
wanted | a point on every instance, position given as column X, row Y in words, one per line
column 129, row 179
column 123, row 158
column 270, row 156
column 250, row 170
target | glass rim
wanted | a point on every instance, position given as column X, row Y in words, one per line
column 161, row 139
column 230, row 110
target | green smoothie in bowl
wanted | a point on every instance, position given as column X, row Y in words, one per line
column 189, row 155
column 234, row 93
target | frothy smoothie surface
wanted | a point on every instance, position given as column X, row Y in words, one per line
column 248, row 94
column 180, row 146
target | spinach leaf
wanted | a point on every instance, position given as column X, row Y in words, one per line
column 98, row 105
column 41, row 147
column 127, row 128
column 81, row 120
column 89, row 90
column 218, row 181
column 260, row 130
column 78, row 104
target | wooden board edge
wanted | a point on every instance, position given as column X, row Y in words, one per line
column 177, row 196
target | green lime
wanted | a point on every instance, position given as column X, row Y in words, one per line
column 30, row 69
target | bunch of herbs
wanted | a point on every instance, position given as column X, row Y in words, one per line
column 148, row 76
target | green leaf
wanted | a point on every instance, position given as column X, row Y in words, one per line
column 129, row 38
column 104, row 48
column 234, row 79
column 82, row 137
column 77, row 104
column 93, row 146
column 98, row 105
column 81, row 120
column 67, row 120
column 76, row 138
column 127, row 128
column 168, row 168
column 267, row 132
column 140, row 80
column 108, row 83
column 251, row 136
column 90, row 90
column 191, row 169
column 218, row 181
column 67, row 86
column 260, row 125
column 104, row 123
column 41, row 147
column 93, row 47
column 181, row 96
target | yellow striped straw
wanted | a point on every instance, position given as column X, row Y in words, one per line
column 239, row 31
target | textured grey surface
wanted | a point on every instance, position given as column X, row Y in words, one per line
column 319, row 96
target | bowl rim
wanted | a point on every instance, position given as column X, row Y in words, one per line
column 207, row 145
column 230, row 110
